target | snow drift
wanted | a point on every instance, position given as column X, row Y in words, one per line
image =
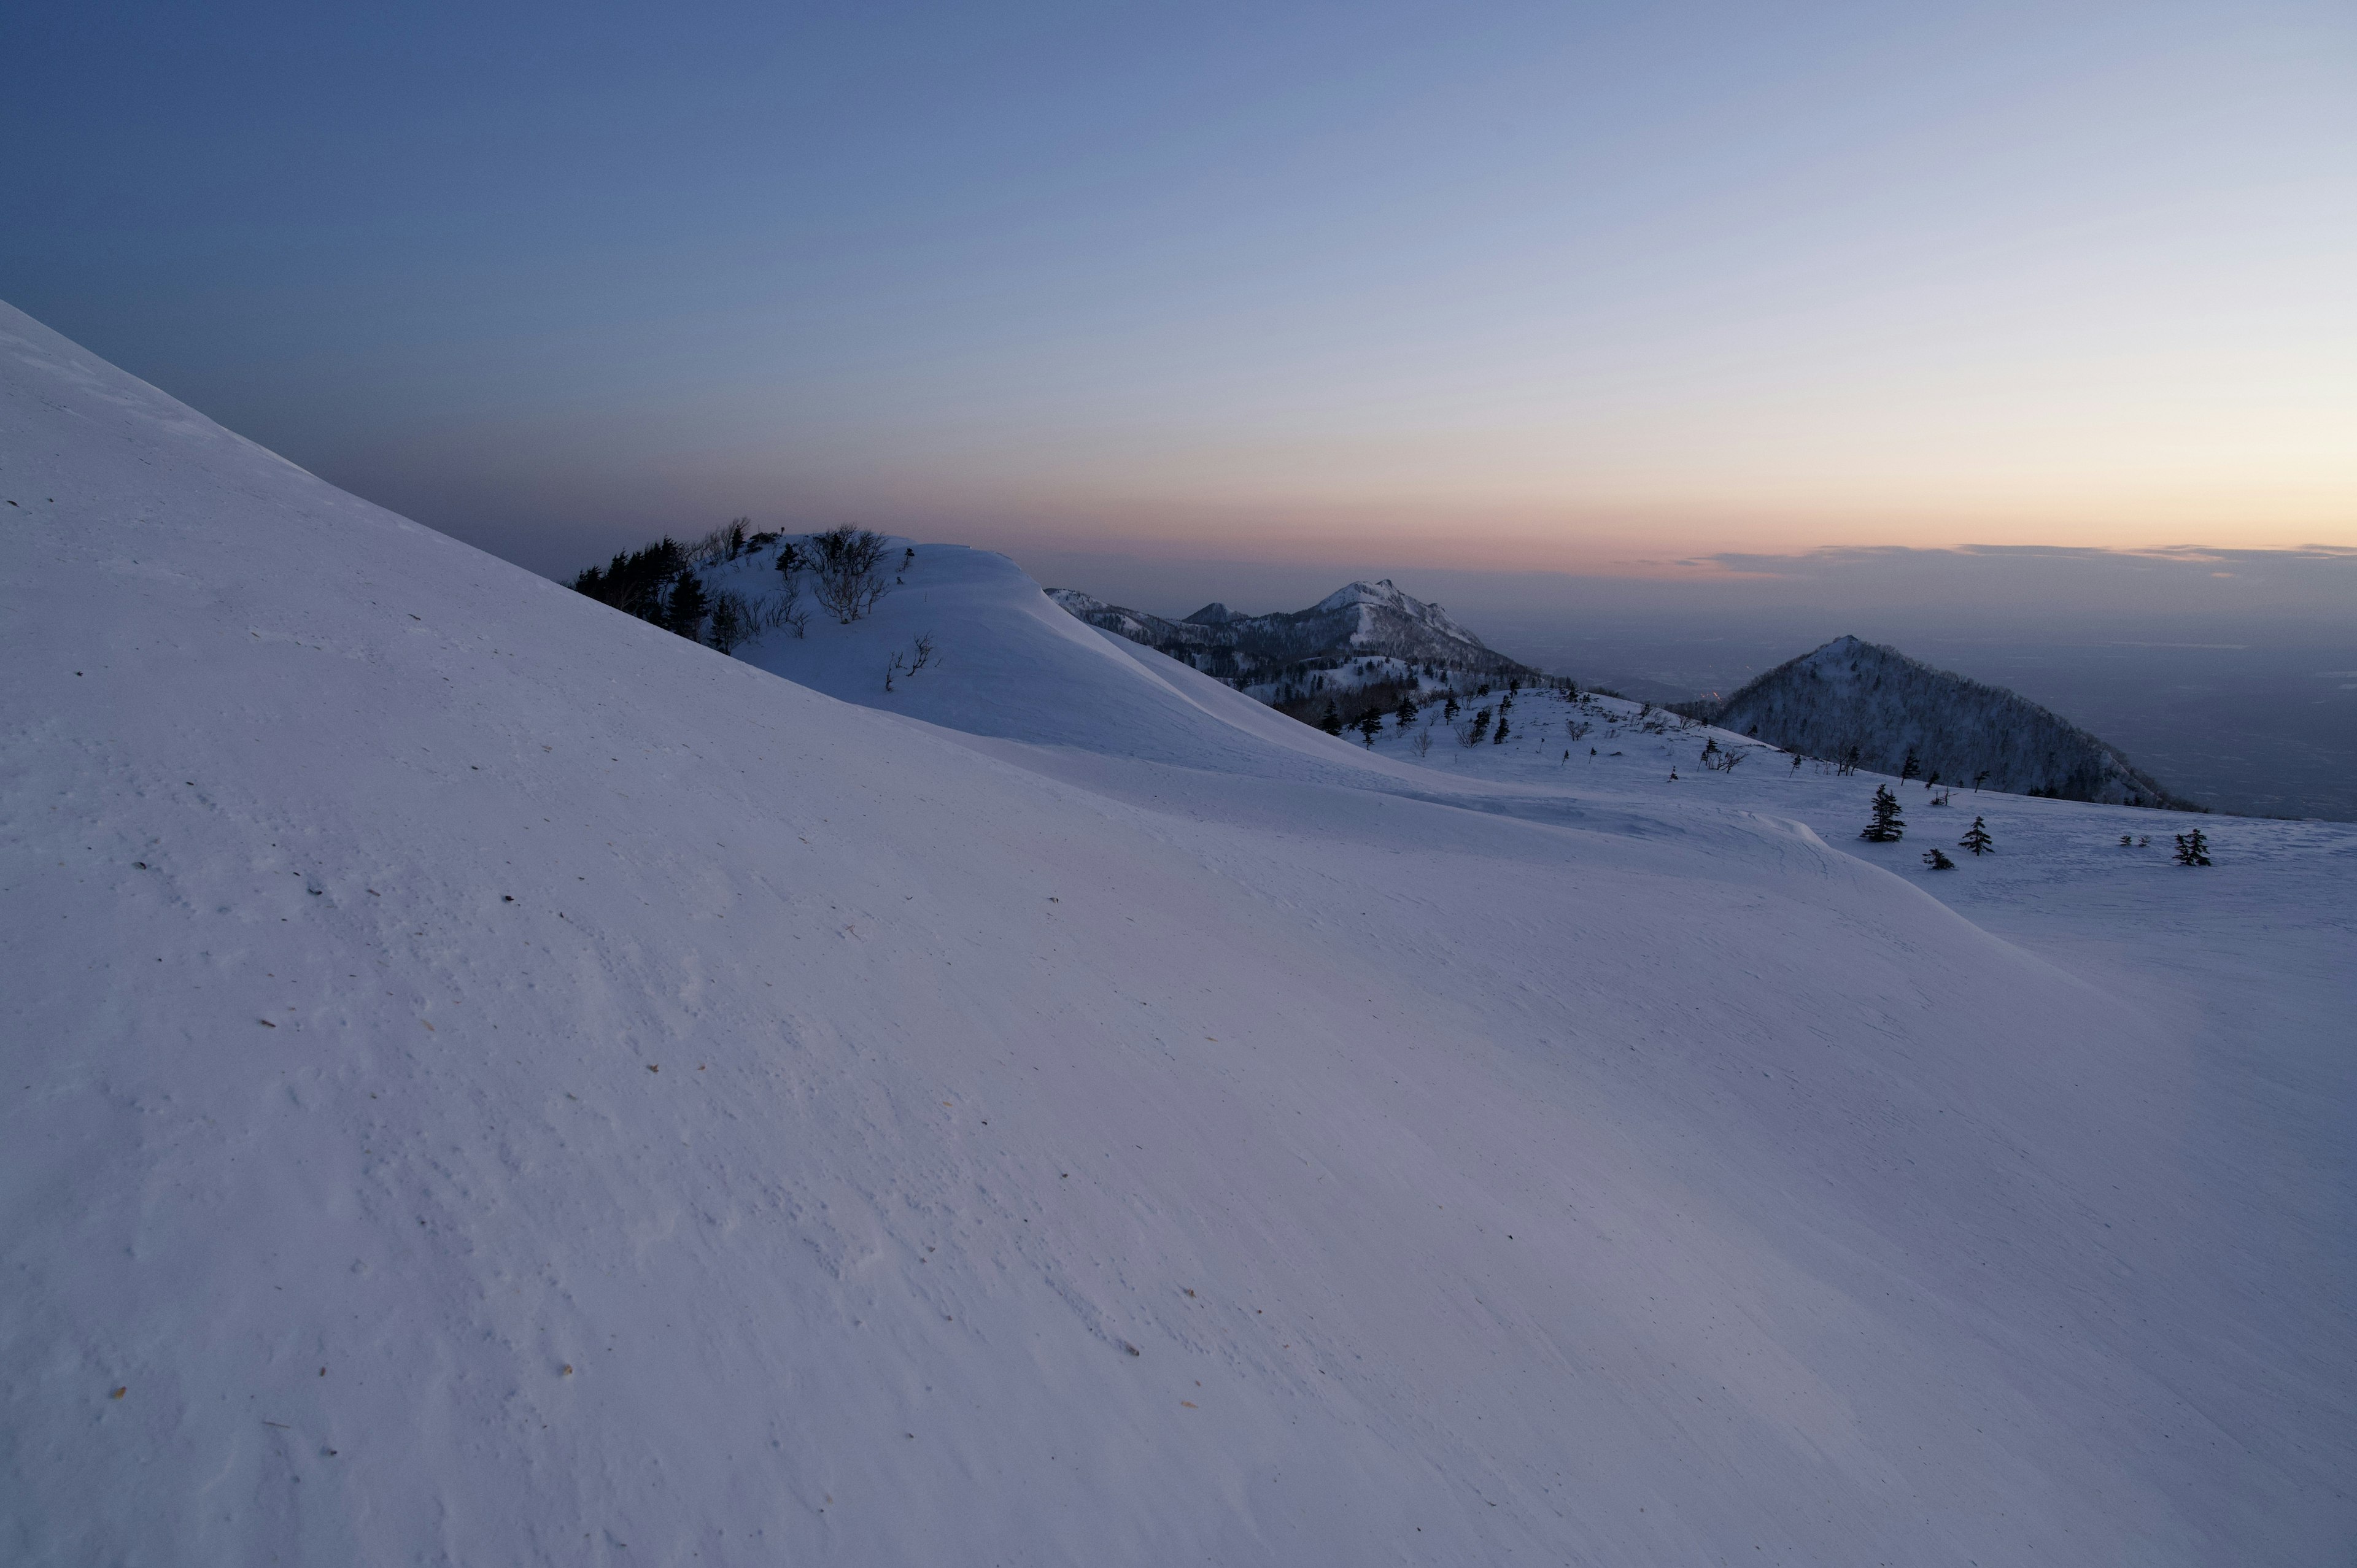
column 490, row 1080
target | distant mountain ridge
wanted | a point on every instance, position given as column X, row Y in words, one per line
column 1864, row 703
column 1358, row 621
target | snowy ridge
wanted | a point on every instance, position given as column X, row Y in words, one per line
column 490, row 1080
column 1359, row 621
column 1874, row 705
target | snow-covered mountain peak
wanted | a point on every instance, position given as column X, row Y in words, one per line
column 1291, row 656
column 1350, row 594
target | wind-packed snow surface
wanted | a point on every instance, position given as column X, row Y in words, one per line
column 492, row 1082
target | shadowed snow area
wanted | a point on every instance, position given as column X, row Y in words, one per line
column 488, row 1080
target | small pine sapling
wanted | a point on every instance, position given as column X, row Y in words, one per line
column 2193, row 849
column 1910, row 768
column 1332, row 723
column 1371, row 724
column 1976, row 839
column 2127, row 841
column 1937, row 859
column 1888, row 826
column 732, row 621
column 1504, row 725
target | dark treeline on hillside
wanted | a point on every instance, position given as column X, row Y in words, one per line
column 659, row 583
column 662, row 583
column 1365, row 686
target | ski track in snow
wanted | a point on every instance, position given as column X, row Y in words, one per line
column 490, row 1082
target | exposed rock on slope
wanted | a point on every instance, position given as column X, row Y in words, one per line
column 1864, row 703
column 1363, row 620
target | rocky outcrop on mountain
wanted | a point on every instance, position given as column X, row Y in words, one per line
column 1362, row 621
column 1870, row 706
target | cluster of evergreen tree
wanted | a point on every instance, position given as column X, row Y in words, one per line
column 637, row 582
column 656, row 584
column 659, row 585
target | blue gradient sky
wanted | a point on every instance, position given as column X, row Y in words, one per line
column 1579, row 287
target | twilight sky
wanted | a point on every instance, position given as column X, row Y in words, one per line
column 1575, row 288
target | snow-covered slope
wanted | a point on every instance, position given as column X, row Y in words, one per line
column 1877, row 707
column 492, row 1081
column 1006, row 662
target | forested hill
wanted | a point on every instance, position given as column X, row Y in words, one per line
column 1358, row 620
column 1869, row 704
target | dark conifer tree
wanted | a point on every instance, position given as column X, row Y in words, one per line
column 1937, row 859
column 1448, row 709
column 1976, row 839
column 1408, row 710
column 1504, row 725
column 1332, row 723
column 1371, row 724
column 730, row 625
column 1910, row 767
column 1888, row 825
column 683, row 609
column 2193, row 849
